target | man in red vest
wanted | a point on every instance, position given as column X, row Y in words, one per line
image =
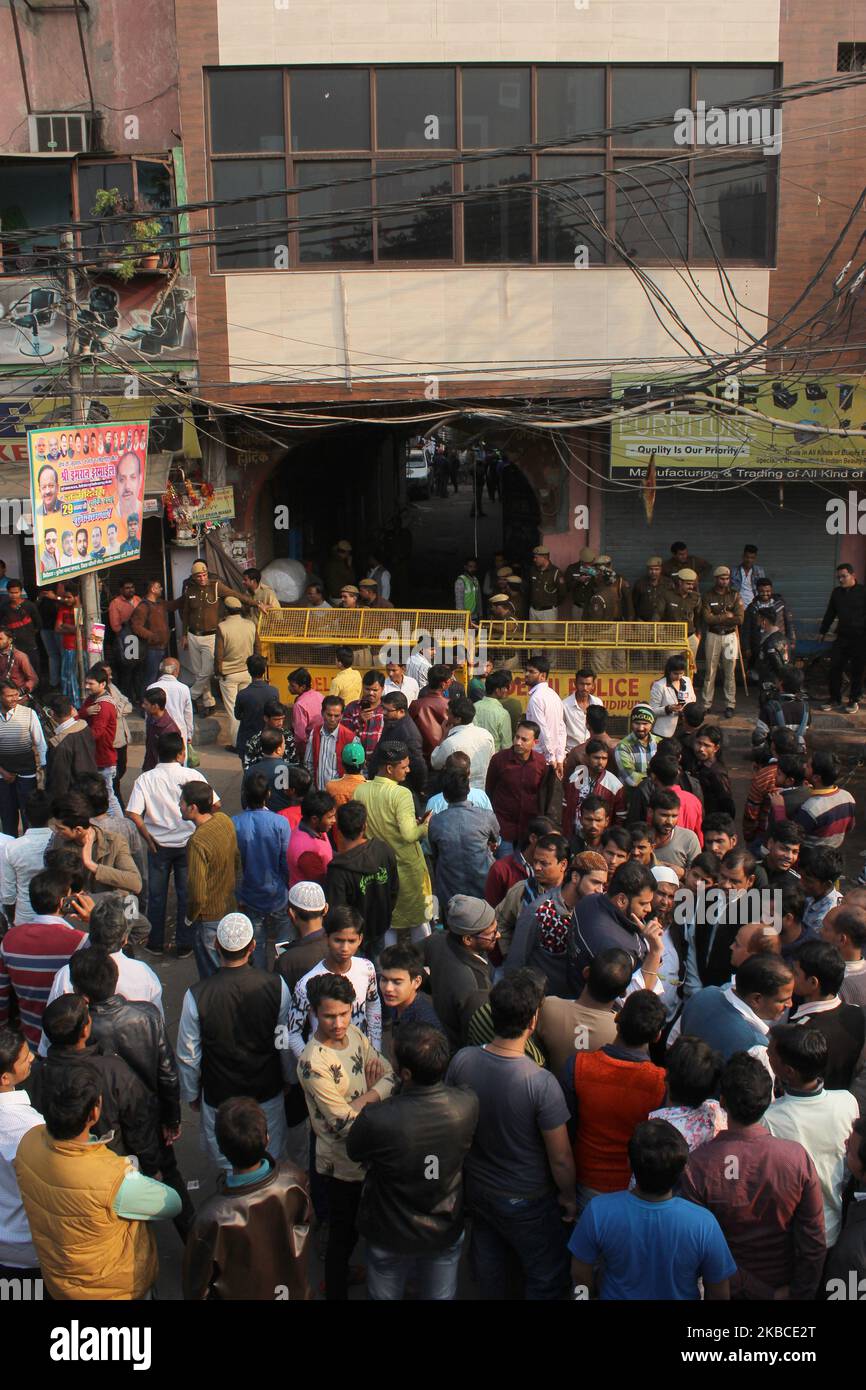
column 324, row 751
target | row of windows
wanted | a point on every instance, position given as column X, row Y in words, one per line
column 337, row 133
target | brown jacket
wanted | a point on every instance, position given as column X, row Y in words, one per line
column 250, row 1242
column 115, row 866
column 546, row 588
column 722, row 610
column 201, row 605
column 429, row 713
column 149, row 622
column 683, row 608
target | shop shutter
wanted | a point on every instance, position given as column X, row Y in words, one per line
column 793, row 545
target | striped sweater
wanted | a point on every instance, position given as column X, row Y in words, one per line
column 826, row 817
column 30, row 956
column 213, row 868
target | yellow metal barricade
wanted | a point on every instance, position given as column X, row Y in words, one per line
column 625, row 657
column 309, row 637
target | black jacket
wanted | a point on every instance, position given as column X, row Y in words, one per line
column 365, row 878
column 69, row 755
column 598, row 925
column 135, row 1031
column 849, row 1253
column 461, row 983
column 406, row 731
column 250, row 711
column 128, row 1107
column 848, row 606
column 410, row 1205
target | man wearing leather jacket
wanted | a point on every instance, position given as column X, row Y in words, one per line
column 414, row 1145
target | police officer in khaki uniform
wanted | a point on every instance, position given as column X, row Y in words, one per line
column 502, row 611
column 200, row 615
column 514, row 589
column 651, row 592
column 722, row 614
column 546, row 586
column 683, row 605
column 236, row 640
column 579, row 579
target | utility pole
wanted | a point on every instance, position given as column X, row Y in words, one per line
column 89, row 611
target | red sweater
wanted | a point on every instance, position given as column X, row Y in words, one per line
column 103, row 726
column 613, row 1095
column 30, row 956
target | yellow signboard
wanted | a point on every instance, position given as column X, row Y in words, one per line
column 731, row 439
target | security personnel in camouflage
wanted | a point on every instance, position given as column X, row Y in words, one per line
column 609, row 602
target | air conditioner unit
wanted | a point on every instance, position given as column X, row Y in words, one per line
column 63, row 132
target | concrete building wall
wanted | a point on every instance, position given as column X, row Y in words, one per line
column 132, row 57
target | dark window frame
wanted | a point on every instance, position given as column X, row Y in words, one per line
column 684, row 157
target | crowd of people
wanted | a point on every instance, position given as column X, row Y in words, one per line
column 467, row 974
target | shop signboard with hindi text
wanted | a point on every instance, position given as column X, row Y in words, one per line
column 87, row 495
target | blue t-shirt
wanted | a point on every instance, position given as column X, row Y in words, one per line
column 651, row 1250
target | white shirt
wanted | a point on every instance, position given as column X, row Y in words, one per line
column 155, row 796
column 135, row 980
column 477, row 744
column 17, row 1116
column 189, row 1047
column 545, row 708
column 575, row 720
column 409, row 688
column 663, row 697
column 821, row 1122
column 178, row 702
column 19, row 863
column 417, row 667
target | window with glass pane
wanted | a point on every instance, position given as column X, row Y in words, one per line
column 731, row 197
column 414, row 233
column 725, row 86
column 568, row 202
column 639, row 94
column 238, row 244
column 92, row 177
column 495, row 107
column 320, row 237
column 330, row 108
column 415, row 108
column 498, row 227
column 570, row 103
column 246, row 111
column 651, row 219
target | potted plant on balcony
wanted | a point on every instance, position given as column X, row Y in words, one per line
column 109, row 202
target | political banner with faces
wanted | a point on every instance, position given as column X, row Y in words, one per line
column 87, row 493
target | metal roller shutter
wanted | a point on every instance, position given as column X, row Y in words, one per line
column 793, row 545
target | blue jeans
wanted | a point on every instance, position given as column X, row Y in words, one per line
column 275, row 1114
column 152, row 658
column 283, row 926
column 204, row 948
column 159, row 871
column 530, row 1228
column 114, row 807
column 13, row 798
column 51, row 643
column 69, row 676
column 434, row 1276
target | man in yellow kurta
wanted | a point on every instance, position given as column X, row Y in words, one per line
column 391, row 817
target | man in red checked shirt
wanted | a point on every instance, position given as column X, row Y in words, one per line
column 100, row 712
column 365, row 717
